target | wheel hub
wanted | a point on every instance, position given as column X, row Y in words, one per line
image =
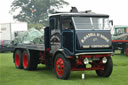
column 59, row 66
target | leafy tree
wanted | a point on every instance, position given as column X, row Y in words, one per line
column 35, row 11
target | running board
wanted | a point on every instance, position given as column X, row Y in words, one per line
column 93, row 53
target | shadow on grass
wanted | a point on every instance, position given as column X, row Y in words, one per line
column 74, row 75
column 43, row 70
column 88, row 75
column 120, row 54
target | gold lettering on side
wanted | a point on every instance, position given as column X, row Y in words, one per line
column 105, row 38
column 82, row 41
column 100, row 46
column 95, row 46
column 86, row 46
column 94, row 35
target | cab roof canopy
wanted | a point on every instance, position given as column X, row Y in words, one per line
column 80, row 14
column 74, row 12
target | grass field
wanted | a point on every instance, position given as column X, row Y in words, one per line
column 9, row 75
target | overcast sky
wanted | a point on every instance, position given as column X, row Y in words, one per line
column 117, row 9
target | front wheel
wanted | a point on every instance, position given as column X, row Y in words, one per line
column 108, row 67
column 62, row 67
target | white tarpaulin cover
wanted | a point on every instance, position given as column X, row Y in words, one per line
column 32, row 36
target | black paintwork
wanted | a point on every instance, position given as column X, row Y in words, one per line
column 37, row 47
column 47, row 37
column 93, row 38
column 68, row 40
column 120, row 46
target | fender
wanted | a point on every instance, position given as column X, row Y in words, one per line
column 62, row 51
column 66, row 53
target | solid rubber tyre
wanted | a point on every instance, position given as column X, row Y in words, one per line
column 18, row 59
column 29, row 62
column 108, row 67
column 62, row 67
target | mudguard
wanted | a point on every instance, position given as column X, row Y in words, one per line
column 66, row 53
column 62, row 51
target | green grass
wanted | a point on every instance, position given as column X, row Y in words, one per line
column 9, row 75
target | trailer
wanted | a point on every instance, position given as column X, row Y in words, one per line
column 72, row 41
column 120, row 29
column 8, row 32
column 121, row 43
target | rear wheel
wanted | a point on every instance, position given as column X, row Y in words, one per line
column 28, row 61
column 62, row 67
column 108, row 67
column 18, row 59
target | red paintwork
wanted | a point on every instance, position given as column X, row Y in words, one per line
column 89, row 56
column 60, row 66
column 127, row 51
column 48, row 49
column 25, row 60
column 70, row 57
column 79, row 61
column 119, row 40
column 17, row 60
column 83, row 69
column 97, row 55
column 2, row 43
column 42, row 57
column 94, row 65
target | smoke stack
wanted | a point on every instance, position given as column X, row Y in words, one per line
column 74, row 9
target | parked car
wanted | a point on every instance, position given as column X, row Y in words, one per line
column 6, row 46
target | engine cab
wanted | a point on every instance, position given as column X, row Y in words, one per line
column 80, row 33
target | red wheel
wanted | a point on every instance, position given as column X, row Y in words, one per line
column 25, row 60
column 60, row 66
column 126, row 51
column 18, row 59
column 29, row 62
